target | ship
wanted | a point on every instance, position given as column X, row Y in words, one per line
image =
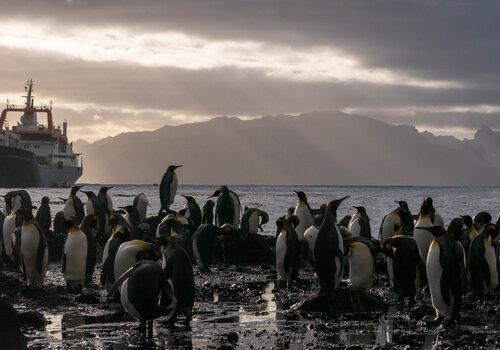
column 33, row 154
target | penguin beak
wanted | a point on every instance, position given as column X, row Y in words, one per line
column 177, row 166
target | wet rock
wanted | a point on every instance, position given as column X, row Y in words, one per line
column 87, row 298
column 31, row 319
column 225, row 347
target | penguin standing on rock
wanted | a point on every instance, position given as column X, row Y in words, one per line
column 329, row 250
column 304, row 213
column 74, row 206
column 208, row 212
column 74, row 262
column 90, row 204
column 89, row 228
column 455, row 231
column 359, row 226
column 444, row 276
column 287, row 249
column 34, row 255
column 426, row 218
column 222, row 195
column 168, row 188
column 483, row 262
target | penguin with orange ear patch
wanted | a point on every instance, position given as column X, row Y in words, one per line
column 74, row 262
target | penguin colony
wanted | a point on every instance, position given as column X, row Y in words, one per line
column 146, row 262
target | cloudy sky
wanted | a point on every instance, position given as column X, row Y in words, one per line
column 116, row 66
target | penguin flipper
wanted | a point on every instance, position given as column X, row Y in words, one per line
column 446, row 276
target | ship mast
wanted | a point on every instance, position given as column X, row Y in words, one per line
column 29, row 90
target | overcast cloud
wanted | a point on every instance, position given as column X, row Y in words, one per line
column 113, row 67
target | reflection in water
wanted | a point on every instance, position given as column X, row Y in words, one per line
column 269, row 312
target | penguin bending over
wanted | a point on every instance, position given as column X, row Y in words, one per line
column 444, row 275
column 208, row 212
column 129, row 253
column 15, row 200
column 328, row 250
column 34, row 254
column 483, row 262
column 74, row 262
column 304, row 213
column 359, row 226
column 203, row 245
column 168, row 188
column 287, row 249
column 253, row 219
column 408, row 267
column 361, row 254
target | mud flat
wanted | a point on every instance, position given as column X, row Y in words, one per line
column 244, row 307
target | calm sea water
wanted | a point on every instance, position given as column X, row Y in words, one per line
column 450, row 201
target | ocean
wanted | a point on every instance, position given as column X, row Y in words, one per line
column 275, row 200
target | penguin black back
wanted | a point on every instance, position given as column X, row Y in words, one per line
column 43, row 216
column 224, row 210
column 208, row 212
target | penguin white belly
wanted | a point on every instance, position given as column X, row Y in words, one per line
column 310, row 236
column 9, row 226
column 69, row 208
column 387, row 227
column 237, row 209
column 306, row 219
column 434, row 273
column 105, row 251
column 89, row 207
column 125, row 258
column 253, row 222
column 361, row 266
column 75, row 250
column 142, row 206
column 280, row 255
column 110, row 202
column 438, row 220
column 127, row 305
column 29, row 256
column 490, row 257
column 424, row 238
column 17, row 203
column 355, row 228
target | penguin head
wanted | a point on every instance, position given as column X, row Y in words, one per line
column 345, row 221
column 293, row 220
column 335, row 204
column 89, row 194
column 280, row 223
column 209, row 205
column 264, row 217
column 172, row 168
column 302, row 196
column 215, row 194
column 105, row 189
column 491, row 230
column 455, row 228
column 403, row 205
column 45, row 201
column 482, row 218
column 189, row 199
column 467, row 219
column 75, row 189
column 290, row 212
column 427, row 206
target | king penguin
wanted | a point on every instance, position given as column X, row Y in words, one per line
column 90, row 204
column 208, row 212
column 359, row 226
column 141, row 204
column 483, row 262
column 287, row 249
column 253, row 219
column 444, row 275
column 224, row 209
column 168, row 188
column 235, row 202
column 361, row 254
column 34, row 254
column 304, row 213
column 203, row 245
column 74, row 206
column 426, row 218
column 74, row 262
column 193, row 214
column 43, row 216
column 120, row 235
column 329, row 250
column 89, row 228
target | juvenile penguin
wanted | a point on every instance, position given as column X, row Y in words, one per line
column 193, row 213
column 361, row 254
column 304, row 213
column 129, row 253
column 74, row 206
column 329, row 250
column 141, row 204
column 74, row 262
column 444, row 276
column 408, row 266
column 203, row 245
column 43, row 216
column 253, row 219
column 34, row 254
column 483, row 262
column 168, row 188
column 359, row 226
column 208, row 212
column 287, row 249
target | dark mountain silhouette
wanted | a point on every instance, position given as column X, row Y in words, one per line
column 313, row 148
